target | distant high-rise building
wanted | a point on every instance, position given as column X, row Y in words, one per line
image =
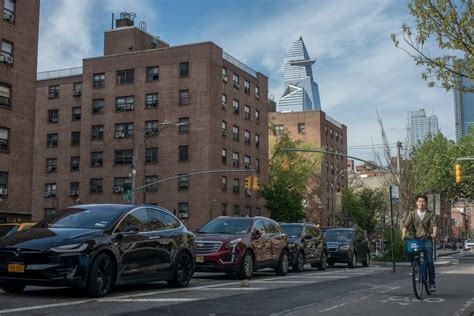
column 421, row 126
column 301, row 92
column 464, row 109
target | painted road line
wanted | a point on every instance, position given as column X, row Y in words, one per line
column 281, row 281
column 229, row 289
column 30, row 308
column 152, row 300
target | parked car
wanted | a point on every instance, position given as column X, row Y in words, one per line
column 469, row 244
column 347, row 245
column 10, row 228
column 241, row 245
column 98, row 246
column 306, row 244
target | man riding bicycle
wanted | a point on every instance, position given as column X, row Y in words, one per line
column 422, row 224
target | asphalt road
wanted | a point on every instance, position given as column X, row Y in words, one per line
column 374, row 290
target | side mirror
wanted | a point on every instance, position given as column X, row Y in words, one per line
column 256, row 234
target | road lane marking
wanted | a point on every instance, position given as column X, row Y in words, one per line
column 153, row 300
column 29, row 308
column 464, row 307
column 229, row 289
column 281, row 281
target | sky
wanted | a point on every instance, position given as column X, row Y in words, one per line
column 359, row 71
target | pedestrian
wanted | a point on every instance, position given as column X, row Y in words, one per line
column 421, row 223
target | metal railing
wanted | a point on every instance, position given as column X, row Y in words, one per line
column 60, row 73
column 239, row 64
column 333, row 121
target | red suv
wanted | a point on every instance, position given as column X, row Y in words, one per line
column 241, row 245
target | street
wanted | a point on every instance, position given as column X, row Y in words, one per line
column 374, row 290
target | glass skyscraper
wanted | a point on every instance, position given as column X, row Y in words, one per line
column 421, row 126
column 464, row 109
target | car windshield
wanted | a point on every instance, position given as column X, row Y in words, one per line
column 81, row 218
column 7, row 230
column 338, row 235
column 227, row 226
column 293, row 231
column 470, row 241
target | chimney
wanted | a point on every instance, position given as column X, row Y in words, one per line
column 126, row 19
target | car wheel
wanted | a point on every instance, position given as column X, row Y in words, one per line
column 13, row 288
column 366, row 262
column 298, row 266
column 183, row 270
column 331, row 263
column 282, row 268
column 246, row 266
column 101, row 275
column 323, row 262
column 353, row 261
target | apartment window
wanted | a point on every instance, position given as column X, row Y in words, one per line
column 236, row 210
column 247, row 137
column 337, row 136
column 122, row 184
column 48, row 211
column 50, row 189
column 183, row 183
column 278, row 129
column 327, row 147
column 183, row 209
column 183, row 153
column 123, row 130
column 246, row 87
column 224, row 101
column 235, row 81
column 224, row 184
column 98, row 81
column 235, row 186
column 98, row 106
column 224, row 209
column 224, row 155
column 124, row 104
column 183, row 70
column 151, row 100
column 75, row 138
column 235, row 106
column 331, row 133
column 183, row 97
column 9, row 10
column 327, row 185
column 4, row 139
column 300, row 128
column 326, row 130
column 327, row 167
column 5, row 95
column 341, row 139
column 77, row 89
column 257, row 116
column 96, row 185
column 97, row 132
column 97, row 159
column 76, row 113
column 53, row 116
column 7, row 52
column 183, row 127
column 151, row 182
column 224, row 128
column 224, row 74
column 257, row 92
column 153, row 73
column 257, row 165
column 123, row 157
column 235, row 159
column 247, row 162
column 151, row 128
column 52, row 140
column 53, row 92
column 247, row 211
column 151, row 155
column 75, row 163
column 332, row 168
column 257, row 211
column 235, row 133
column 247, row 112
column 51, row 165
column 3, row 183
column 73, row 188
column 257, row 140
column 125, row 76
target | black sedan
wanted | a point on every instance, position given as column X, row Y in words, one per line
column 97, row 246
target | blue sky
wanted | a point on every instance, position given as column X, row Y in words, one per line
column 358, row 69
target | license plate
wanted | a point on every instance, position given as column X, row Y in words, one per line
column 16, row 267
column 199, row 259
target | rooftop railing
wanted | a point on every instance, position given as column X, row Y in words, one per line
column 60, row 73
column 239, row 64
column 333, row 121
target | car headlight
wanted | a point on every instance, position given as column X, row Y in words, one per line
column 231, row 244
column 345, row 247
column 70, row 248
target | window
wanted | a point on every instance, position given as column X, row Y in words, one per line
column 235, row 186
column 257, row 165
column 153, row 73
column 7, row 52
column 257, row 116
column 300, row 128
column 51, row 165
column 98, row 106
column 9, row 10
column 247, row 112
column 123, row 130
column 50, row 189
column 326, row 130
column 123, row 157
column 4, row 139
column 149, row 180
column 183, row 153
column 151, row 128
column 224, row 209
column 247, row 162
column 97, row 132
column 224, row 74
column 48, row 211
column 73, row 188
column 246, row 87
column 183, row 209
column 151, row 155
column 125, row 76
column 236, row 210
column 75, row 138
column 52, row 140
column 247, row 137
column 96, row 185
column 124, row 104
column 224, row 128
column 97, row 159
column 183, row 127
column 122, row 184
column 257, row 211
column 5, row 95
column 235, row 159
column 235, row 106
column 278, row 129
column 332, row 168
column 183, row 183
column 151, row 100
column 257, row 140
column 341, row 139
column 53, row 116
column 77, row 89
column 224, row 155
column 224, row 184
column 183, row 97
column 183, row 70
column 224, row 101
column 257, row 93
column 235, row 81
column 3, row 184
column 235, row 133
column 331, row 133
column 75, row 163
column 98, row 81
column 53, row 92
column 76, row 113
column 247, row 211
column 337, row 136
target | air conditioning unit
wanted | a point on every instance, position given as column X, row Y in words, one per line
column 8, row 16
column 7, row 59
column 50, row 169
column 128, row 107
column 224, row 132
column 153, row 104
column 73, row 192
column 77, row 93
column 47, row 194
column 183, row 215
column 119, row 134
column 224, row 105
column 97, row 164
column 3, row 191
column 247, row 90
column 236, row 84
column 118, row 189
column 224, row 78
column 55, row 119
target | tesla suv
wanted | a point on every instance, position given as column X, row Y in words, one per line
column 98, row 246
column 241, row 245
column 347, row 245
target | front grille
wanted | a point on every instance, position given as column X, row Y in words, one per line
column 333, row 248
column 27, row 256
column 206, row 247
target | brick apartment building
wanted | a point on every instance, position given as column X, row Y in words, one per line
column 320, row 130
column 18, row 58
column 176, row 109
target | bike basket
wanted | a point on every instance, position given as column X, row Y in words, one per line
column 415, row 245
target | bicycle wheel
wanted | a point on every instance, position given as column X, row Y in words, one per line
column 417, row 279
column 426, row 270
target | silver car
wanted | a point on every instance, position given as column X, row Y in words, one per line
column 469, row 244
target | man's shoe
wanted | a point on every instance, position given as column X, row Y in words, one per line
column 432, row 288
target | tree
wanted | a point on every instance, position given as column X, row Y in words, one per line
column 449, row 24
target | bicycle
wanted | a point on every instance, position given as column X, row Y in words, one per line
column 419, row 267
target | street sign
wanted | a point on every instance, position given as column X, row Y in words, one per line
column 395, row 192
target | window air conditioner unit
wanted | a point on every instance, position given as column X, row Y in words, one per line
column 183, row 215
column 128, row 107
column 3, row 191
column 50, row 169
column 224, row 78
column 236, row 84
column 77, row 93
column 224, row 105
column 73, row 192
column 96, row 164
column 224, row 132
column 55, row 120
column 47, row 194
column 8, row 16
column 7, row 59
column 119, row 134
column 118, row 189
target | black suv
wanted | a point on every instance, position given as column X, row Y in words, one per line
column 347, row 245
column 307, row 245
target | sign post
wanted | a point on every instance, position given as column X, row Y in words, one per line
column 394, row 195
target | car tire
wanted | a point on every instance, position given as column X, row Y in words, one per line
column 366, row 262
column 353, row 261
column 323, row 261
column 101, row 276
column 13, row 288
column 298, row 266
column 183, row 270
column 282, row 267
column 331, row 263
column 246, row 266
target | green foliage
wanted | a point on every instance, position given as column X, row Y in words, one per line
column 399, row 252
column 284, row 201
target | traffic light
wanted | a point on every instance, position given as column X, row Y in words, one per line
column 458, row 173
column 285, row 165
column 248, row 182
column 255, row 183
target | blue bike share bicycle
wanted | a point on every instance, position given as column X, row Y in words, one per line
column 419, row 267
